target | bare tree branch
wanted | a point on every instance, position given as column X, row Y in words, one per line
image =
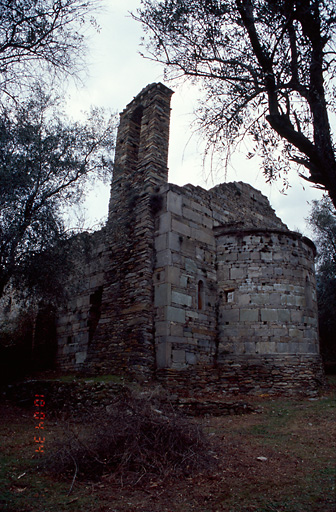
column 245, row 52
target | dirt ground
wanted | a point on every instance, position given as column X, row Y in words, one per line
column 280, row 458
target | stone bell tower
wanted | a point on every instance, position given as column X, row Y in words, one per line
column 124, row 339
column 142, row 141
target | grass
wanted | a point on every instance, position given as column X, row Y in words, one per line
column 296, row 438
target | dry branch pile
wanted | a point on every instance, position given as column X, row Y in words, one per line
column 133, row 441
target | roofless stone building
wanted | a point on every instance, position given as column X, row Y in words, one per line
column 202, row 289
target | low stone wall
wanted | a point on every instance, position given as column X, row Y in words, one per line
column 65, row 397
column 287, row 375
column 84, row 398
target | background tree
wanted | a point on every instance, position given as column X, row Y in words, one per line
column 45, row 161
column 267, row 68
column 41, row 36
column 323, row 222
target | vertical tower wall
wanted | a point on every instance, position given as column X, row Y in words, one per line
column 124, row 339
column 185, row 280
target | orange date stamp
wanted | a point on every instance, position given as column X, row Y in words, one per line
column 39, row 417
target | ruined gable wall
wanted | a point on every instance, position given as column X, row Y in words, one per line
column 239, row 205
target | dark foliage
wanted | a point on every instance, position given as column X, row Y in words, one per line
column 16, row 342
column 323, row 221
column 45, row 161
column 28, row 343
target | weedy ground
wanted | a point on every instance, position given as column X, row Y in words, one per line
column 280, row 459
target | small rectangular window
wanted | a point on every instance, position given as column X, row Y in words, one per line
column 229, row 295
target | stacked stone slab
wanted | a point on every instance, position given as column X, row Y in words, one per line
column 124, row 339
column 207, row 289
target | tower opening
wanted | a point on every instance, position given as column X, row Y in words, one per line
column 200, row 295
column 135, row 133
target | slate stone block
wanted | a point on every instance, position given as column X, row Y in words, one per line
column 190, row 358
column 249, row 315
column 163, row 355
column 174, row 241
column 244, row 299
column 80, row 357
column 237, row 273
column 161, row 242
column 250, row 347
column 173, row 275
column 163, row 258
column 282, row 348
column 192, row 215
column 230, row 315
column 161, row 328
column 179, row 356
column 203, row 235
column 190, row 265
column 284, row 315
column 162, row 294
column 175, row 314
column 181, row 299
column 296, row 333
column 269, row 315
column 174, row 203
column 165, row 223
column 181, row 227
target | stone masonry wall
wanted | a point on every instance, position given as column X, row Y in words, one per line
column 124, row 341
column 78, row 319
column 256, row 375
column 267, row 299
column 185, row 280
column 206, row 290
column 257, row 327
column 238, row 205
column 254, row 288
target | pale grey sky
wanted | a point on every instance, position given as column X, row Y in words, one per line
column 117, row 73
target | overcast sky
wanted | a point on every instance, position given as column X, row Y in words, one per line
column 117, row 73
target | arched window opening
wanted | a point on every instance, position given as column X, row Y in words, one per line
column 200, row 295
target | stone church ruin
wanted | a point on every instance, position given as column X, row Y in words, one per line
column 205, row 289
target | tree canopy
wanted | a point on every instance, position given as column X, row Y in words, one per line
column 45, row 160
column 267, row 68
column 41, row 35
column 322, row 220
